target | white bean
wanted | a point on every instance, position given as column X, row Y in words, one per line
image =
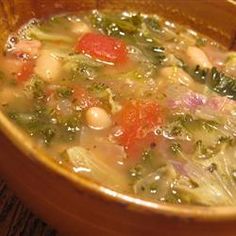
column 48, row 67
column 97, row 118
column 80, row 28
column 197, row 57
column 176, row 74
column 29, row 47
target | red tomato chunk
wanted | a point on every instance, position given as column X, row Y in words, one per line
column 84, row 99
column 137, row 119
column 102, row 47
column 26, row 71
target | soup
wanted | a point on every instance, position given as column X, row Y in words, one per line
column 131, row 101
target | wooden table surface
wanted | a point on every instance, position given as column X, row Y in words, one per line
column 16, row 219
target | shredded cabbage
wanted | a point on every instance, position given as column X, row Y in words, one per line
column 156, row 184
column 210, row 181
column 86, row 163
column 34, row 32
column 81, row 59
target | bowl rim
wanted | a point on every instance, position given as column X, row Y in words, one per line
column 37, row 155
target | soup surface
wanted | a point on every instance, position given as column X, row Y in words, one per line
column 137, row 103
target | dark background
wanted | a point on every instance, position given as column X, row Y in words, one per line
column 16, row 219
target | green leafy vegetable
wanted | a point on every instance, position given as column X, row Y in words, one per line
column 97, row 87
column 81, row 67
column 175, row 148
column 153, row 24
column 34, row 125
column 157, row 184
column 36, row 88
column 116, row 26
column 200, row 42
column 82, row 60
column 64, row 92
column 204, row 152
column 216, row 81
column 157, row 53
column 34, row 32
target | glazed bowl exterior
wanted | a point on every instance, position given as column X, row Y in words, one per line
column 77, row 206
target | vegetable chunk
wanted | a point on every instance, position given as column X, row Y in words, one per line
column 102, row 47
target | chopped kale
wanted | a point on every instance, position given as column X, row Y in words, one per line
column 175, row 148
column 200, row 74
column 158, row 54
column 222, row 84
column 212, row 167
column 215, row 80
column 64, row 92
column 147, row 155
column 178, row 126
column 69, row 127
column 36, row 88
column 153, row 24
column 205, row 152
column 116, row 26
column 47, row 134
column 97, row 87
column 200, row 42
column 226, row 139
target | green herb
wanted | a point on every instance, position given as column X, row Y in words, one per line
column 175, row 148
column 144, row 166
column 69, row 127
column 147, row 155
column 81, row 60
column 97, row 87
column 34, row 125
column 209, row 125
column 200, row 42
column 99, row 90
column 57, row 21
column 153, row 24
column 176, row 131
column 226, row 139
column 13, row 115
column 215, row 80
column 119, row 26
column 222, row 84
column 36, row 88
column 136, row 172
column 37, row 32
column 158, row 54
column 151, row 48
column 48, row 134
column 64, row 92
column 178, row 126
column 81, row 66
column 212, row 167
column 204, row 152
